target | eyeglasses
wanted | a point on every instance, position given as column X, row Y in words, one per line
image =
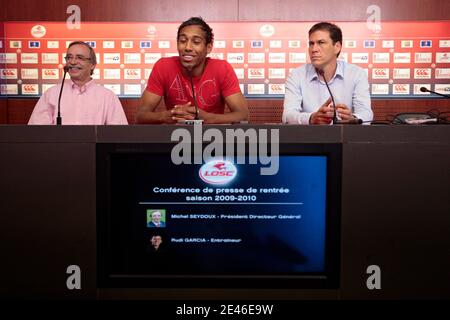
column 77, row 57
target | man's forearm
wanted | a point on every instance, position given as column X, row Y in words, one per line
column 151, row 117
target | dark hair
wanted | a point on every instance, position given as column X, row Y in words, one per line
column 334, row 30
column 92, row 55
column 198, row 21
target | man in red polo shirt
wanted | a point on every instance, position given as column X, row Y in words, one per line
column 193, row 86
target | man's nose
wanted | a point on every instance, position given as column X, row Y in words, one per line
column 314, row 47
column 188, row 45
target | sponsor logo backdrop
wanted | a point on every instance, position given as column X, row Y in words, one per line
column 399, row 57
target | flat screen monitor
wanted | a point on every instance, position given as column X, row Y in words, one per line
column 218, row 223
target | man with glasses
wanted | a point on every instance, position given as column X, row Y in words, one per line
column 83, row 101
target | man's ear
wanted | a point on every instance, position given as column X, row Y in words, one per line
column 337, row 47
column 209, row 48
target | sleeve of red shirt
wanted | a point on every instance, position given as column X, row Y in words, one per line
column 155, row 81
column 230, row 84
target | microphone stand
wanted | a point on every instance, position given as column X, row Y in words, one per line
column 335, row 119
column 58, row 117
column 322, row 73
column 197, row 119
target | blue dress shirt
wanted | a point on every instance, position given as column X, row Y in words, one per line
column 305, row 92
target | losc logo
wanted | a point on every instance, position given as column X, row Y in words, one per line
column 38, row 31
column 267, row 30
column 151, row 30
column 218, row 172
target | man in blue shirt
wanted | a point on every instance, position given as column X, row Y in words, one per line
column 307, row 100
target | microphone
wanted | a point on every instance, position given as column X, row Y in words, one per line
column 423, row 89
column 335, row 119
column 58, row 118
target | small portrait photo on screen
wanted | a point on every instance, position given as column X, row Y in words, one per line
column 156, row 243
column 156, row 218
